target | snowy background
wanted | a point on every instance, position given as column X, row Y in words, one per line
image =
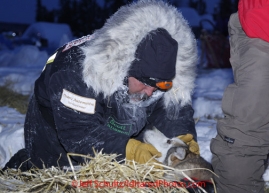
column 23, row 64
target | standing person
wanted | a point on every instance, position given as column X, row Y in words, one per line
column 100, row 91
column 241, row 146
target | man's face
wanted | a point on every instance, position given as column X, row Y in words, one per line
column 137, row 88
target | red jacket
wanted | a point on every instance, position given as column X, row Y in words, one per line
column 254, row 18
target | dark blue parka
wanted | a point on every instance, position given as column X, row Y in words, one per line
column 80, row 102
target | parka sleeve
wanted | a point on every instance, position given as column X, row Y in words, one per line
column 174, row 121
column 80, row 132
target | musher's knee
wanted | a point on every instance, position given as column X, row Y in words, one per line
column 239, row 169
column 19, row 160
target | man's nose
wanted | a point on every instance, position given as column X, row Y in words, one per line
column 149, row 90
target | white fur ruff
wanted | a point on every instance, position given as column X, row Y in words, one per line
column 108, row 56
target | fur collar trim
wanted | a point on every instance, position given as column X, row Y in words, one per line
column 109, row 54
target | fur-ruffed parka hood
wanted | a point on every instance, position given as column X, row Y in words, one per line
column 111, row 51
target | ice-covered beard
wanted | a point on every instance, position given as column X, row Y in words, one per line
column 138, row 97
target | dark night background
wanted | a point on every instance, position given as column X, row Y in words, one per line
column 84, row 16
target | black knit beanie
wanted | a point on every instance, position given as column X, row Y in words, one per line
column 156, row 56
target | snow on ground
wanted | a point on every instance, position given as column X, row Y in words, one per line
column 11, row 133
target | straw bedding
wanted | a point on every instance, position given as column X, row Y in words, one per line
column 101, row 173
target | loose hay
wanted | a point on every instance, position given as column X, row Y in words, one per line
column 101, row 173
column 13, row 99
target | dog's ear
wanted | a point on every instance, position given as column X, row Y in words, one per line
column 173, row 158
column 177, row 156
column 180, row 153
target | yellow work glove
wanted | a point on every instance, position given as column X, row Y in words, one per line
column 193, row 145
column 141, row 152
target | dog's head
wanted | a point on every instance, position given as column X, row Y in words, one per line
column 163, row 144
column 176, row 154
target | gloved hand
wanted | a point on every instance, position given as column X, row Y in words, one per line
column 141, row 152
column 193, row 145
